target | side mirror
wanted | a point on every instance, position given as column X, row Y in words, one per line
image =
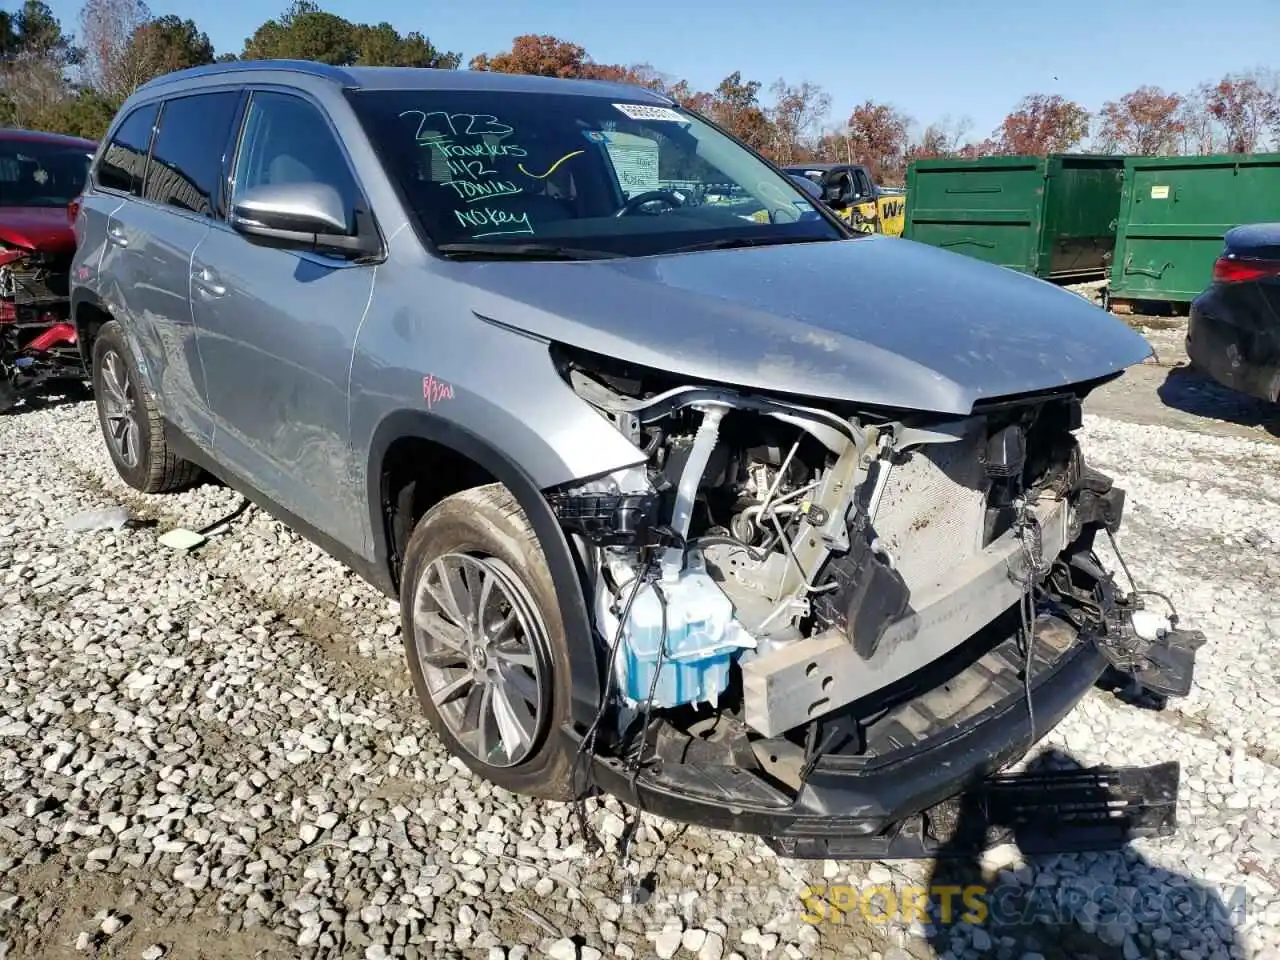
column 811, row 189
column 308, row 216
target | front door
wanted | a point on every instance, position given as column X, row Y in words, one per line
column 278, row 327
column 863, row 209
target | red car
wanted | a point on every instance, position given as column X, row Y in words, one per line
column 41, row 175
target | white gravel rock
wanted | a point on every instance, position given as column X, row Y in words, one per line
column 230, row 734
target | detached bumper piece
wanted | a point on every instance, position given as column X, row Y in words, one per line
column 1163, row 666
column 1062, row 811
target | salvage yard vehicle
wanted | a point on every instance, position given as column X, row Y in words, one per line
column 850, row 190
column 41, row 174
column 1233, row 333
column 767, row 526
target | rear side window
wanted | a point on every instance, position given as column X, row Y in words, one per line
column 186, row 162
column 124, row 162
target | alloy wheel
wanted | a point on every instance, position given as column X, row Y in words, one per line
column 120, row 409
column 482, row 646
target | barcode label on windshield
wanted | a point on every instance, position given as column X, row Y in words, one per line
column 642, row 111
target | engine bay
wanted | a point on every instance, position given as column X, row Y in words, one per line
column 37, row 341
column 772, row 568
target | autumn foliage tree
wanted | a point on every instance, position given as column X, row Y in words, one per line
column 1246, row 107
column 536, row 55
column 877, row 134
column 735, row 105
column 1146, row 121
column 1042, row 124
column 697, row 100
column 542, row 55
column 48, row 81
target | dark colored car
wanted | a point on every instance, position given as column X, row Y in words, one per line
column 850, row 190
column 1234, row 331
column 41, row 175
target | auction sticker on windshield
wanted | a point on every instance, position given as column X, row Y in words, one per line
column 642, row 111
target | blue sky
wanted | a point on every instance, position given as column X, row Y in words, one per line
column 930, row 58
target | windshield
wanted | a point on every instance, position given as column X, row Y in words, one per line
column 35, row 174
column 585, row 172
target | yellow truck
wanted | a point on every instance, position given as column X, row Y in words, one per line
column 849, row 190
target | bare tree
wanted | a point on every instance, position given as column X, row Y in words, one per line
column 106, row 29
column 1198, row 133
column 942, row 138
column 33, row 62
column 797, row 115
column 30, row 84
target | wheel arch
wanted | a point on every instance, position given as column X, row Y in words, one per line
column 465, row 460
column 89, row 314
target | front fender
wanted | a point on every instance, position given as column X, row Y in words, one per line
column 565, row 573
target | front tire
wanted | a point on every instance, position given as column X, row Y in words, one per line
column 485, row 642
column 130, row 420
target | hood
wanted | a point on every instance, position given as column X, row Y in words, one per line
column 879, row 321
column 48, row 229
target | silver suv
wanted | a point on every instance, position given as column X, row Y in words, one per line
column 687, row 492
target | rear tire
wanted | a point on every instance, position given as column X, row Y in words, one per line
column 485, row 642
column 131, row 424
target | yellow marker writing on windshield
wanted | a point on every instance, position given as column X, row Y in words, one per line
column 551, row 169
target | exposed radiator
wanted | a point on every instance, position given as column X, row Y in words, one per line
column 932, row 512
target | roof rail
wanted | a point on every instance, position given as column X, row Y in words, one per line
column 309, row 67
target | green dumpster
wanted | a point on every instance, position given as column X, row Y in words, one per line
column 1053, row 217
column 1174, row 212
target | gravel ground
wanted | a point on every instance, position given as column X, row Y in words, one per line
column 1166, row 390
column 217, row 754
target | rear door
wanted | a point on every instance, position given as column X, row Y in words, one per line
column 151, row 239
column 278, row 327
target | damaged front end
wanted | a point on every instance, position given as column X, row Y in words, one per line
column 824, row 625
column 37, row 340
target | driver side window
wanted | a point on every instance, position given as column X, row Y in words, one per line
column 286, row 140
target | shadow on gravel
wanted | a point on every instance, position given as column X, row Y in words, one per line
column 1193, row 392
column 44, row 400
column 1109, row 905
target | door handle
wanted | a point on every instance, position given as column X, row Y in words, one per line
column 116, row 235
column 206, row 281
